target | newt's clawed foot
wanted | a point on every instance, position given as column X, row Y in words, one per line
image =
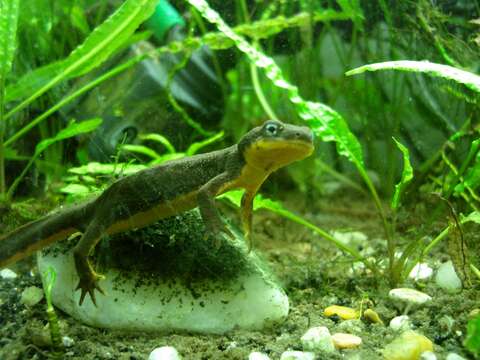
column 88, row 284
column 217, row 231
column 88, row 279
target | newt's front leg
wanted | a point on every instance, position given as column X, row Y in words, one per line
column 88, row 282
column 246, row 214
column 208, row 210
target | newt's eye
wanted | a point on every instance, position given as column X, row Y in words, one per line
column 271, row 129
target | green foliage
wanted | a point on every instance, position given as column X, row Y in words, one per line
column 472, row 341
column 260, row 202
column 466, row 78
column 8, row 30
column 73, row 129
column 407, row 175
column 99, row 46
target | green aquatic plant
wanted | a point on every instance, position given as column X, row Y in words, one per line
column 73, row 129
column 472, row 341
column 49, row 277
column 466, row 178
column 8, row 30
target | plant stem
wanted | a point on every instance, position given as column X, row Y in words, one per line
column 2, row 135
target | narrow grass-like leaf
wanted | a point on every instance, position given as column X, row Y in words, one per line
column 99, row 45
column 260, row 202
column 195, row 147
column 407, row 175
column 73, row 129
column 141, row 149
column 470, row 80
column 8, row 31
column 159, row 139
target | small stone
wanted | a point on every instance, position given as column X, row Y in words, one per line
column 297, row 355
column 345, row 313
column 258, row 356
column 372, row 316
column 428, row 355
column 164, row 353
column 447, row 279
column 8, row 274
column 31, row 296
column 318, row 339
column 400, row 323
column 409, row 296
column 453, row 356
column 421, row 271
column 67, row 341
column 408, row 346
column 346, row 341
column 355, row 238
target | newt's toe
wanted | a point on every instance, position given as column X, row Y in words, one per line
column 88, row 285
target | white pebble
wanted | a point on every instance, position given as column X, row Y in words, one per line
column 258, row 356
column 428, row 355
column 447, row 278
column 400, row 323
column 297, row 355
column 421, row 271
column 355, row 238
column 68, row 341
column 31, row 296
column 164, row 353
column 8, row 274
column 346, row 341
column 409, row 296
column 453, row 356
column 318, row 339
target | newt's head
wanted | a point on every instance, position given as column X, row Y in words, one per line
column 275, row 144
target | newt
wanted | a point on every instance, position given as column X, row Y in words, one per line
column 158, row 192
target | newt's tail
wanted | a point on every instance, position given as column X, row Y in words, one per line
column 40, row 233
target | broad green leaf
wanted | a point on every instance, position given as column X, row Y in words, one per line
column 472, row 341
column 195, row 147
column 95, row 168
column 73, row 129
column 472, row 175
column 354, row 9
column 98, row 46
column 407, row 175
column 473, row 216
column 75, row 189
column 8, row 31
column 470, row 80
column 324, row 121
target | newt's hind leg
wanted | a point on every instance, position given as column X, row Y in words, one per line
column 88, row 282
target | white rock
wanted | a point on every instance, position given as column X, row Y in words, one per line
column 447, row 278
column 400, row 323
column 147, row 301
column 31, row 296
column 318, row 339
column 258, row 356
column 67, row 341
column 8, row 274
column 297, row 355
column 409, row 296
column 421, row 271
column 453, row 356
column 428, row 355
column 355, row 238
column 164, row 353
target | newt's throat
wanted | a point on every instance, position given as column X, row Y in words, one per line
column 270, row 155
